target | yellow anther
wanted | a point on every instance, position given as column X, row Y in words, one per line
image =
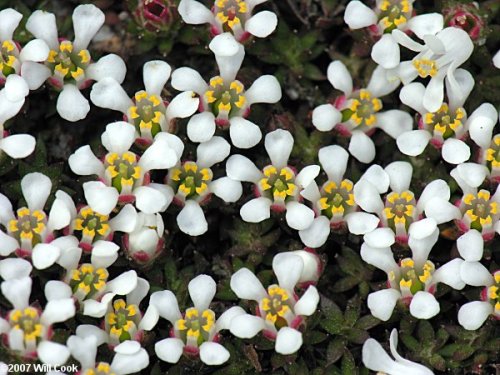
column 103, row 367
column 243, row 7
column 493, row 292
column 66, row 46
column 181, row 324
column 236, row 86
column 285, row 172
column 405, row 284
column 493, row 208
column 407, row 263
column 371, row 120
column 354, row 105
column 330, row 186
column 15, row 315
column 206, row 174
column 133, row 112
column 338, row 210
column 266, row 304
column 271, row 317
column 8, row 45
column 84, row 56
column 468, row 199
column 129, row 157
column 284, row 310
column 497, row 306
column 385, row 22
column 291, row 189
column 176, row 174
column 270, row 170
column 429, row 118
column 388, row 213
column 222, row 17
column 486, row 220
column 209, row 96
column 241, row 101
column 377, row 104
column 119, row 304
column 280, row 195
column 52, row 56
column 323, row 203
column 115, row 331
column 111, row 318
column 22, row 212
column 87, row 268
column 224, row 107
column 112, row 171
column 407, row 195
column 425, row 67
column 385, row 5
column 235, row 21
column 264, row 184
column 201, row 188
column 157, row 117
column 470, row 213
column 440, row 128
column 59, row 68
column 346, row 185
column 392, row 197
column 356, row 118
column 84, row 288
column 111, row 157
column 216, row 81
column 184, row 189
column 400, row 20
column 364, row 95
column 350, row 201
column 13, row 226
column 405, row 6
column 27, row 235
column 484, row 194
column 155, row 100
column 127, row 181
column 399, row 220
column 77, row 73
column 190, row 166
column 193, row 333
column 192, row 313
column 140, row 96
column 137, row 172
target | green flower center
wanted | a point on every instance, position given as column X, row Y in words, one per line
column 190, row 181
column 68, row 64
column 87, row 280
column 225, row 99
column 278, row 184
column 336, row 200
column 444, row 123
column 122, row 322
column 195, row 326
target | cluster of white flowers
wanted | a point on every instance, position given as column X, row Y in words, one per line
column 121, row 194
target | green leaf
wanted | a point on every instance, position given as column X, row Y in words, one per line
column 352, row 311
column 335, row 350
column 367, row 322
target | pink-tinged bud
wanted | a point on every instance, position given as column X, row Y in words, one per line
column 313, row 267
column 155, row 15
column 466, row 17
column 146, row 241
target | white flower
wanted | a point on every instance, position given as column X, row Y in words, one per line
column 28, row 329
column 190, row 185
column 17, row 146
column 447, row 127
column 196, row 332
column 481, row 132
column 15, row 60
column 129, row 356
column 147, row 111
column 438, row 58
column 30, row 230
column 90, row 226
column 414, row 279
column 68, row 65
column 277, row 186
column 224, row 102
column 478, row 209
column 496, row 59
column 334, row 204
column 145, row 242
column 387, row 16
column 88, row 282
column 356, row 114
column 233, row 15
column 376, row 358
column 472, row 315
column 401, row 208
column 280, row 312
column 123, row 175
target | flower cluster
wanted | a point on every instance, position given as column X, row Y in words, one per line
column 157, row 173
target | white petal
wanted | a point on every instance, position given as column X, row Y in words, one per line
column 191, row 220
column 246, row 285
column 123, row 284
column 400, row 173
column 69, row 258
column 422, row 229
column 174, row 142
column 9, row 20
column 481, row 124
column 298, row 216
column 241, row 168
column 195, row 13
column 169, row 350
column 367, row 196
column 357, row 15
column 325, row 117
column 414, row 142
column 229, row 64
column 244, row 134
column 57, row 311
column 84, row 350
column 34, row 74
column 256, row 210
column 436, row 188
column 317, row 233
column 361, row 222
column 246, row 326
column 455, row 151
column 472, row 315
column 182, row 106
column 107, row 93
column 288, row 268
column 441, row 210
column 97, row 309
column 118, row 137
column 395, row 122
column 52, row 353
column 380, row 237
column 311, row 192
column 84, row 162
column 87, row 20
column 471, row 245
column 377, row 176
column 45, row 255
column 18, row 146
column 212, row 152
column 57, row 290
column 288, row 341
column 43, row 26
column 380, row 84
column 434, row 94
column 187, row 79
column 202, row 290
column 158, row 156
column 279, row 144
column 8, row 109
column 308, row 303
column 16, row 339
column 110, row 65
column 339, row 76
column 125, row 221
column 166, row 304
column 385, row 52
column 458, row 90
column 201, row 127
column 362, row 147
column 224, row 45
column 213, row 354
column 475, row 274
column 261, row 24
column 227, row 189
column 412, row 95
column 104, row 253
column 71, row 104
column 149, row 319
column 421, row 247
column 16, row 88
column 449, row 274
column 59, row 216
column 90, row 330
column 101, row 198
column 36, row 50
column 424, row 305
column 12, row 268
column 9, row 244
column 426, row 24
column 496, row 59
column 334, row 160
column 473, row 174
column 380, row 257
column 130, row 363
column 36, row 189
column 312, row 265
column 382, row 303
column 140, row 291
column 155, row 74
column 224, row 321
column 265, row 89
